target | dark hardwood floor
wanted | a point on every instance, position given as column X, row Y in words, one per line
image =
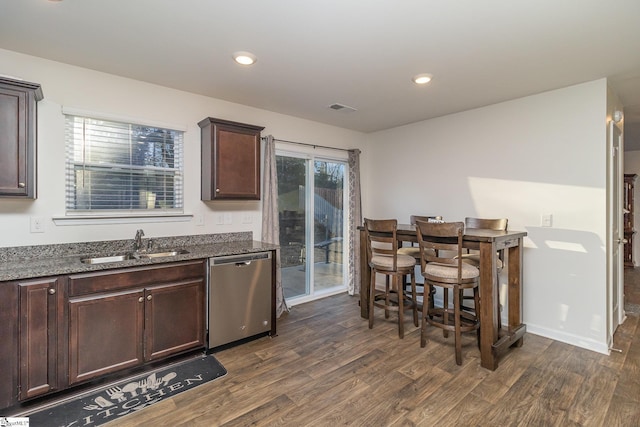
column 326, row 368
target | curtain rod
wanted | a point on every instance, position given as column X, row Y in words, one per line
column 309, row 145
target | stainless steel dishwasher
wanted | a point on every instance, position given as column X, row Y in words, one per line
column 239, row 297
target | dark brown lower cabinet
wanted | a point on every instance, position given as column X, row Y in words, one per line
column 9, row 365
column 39, row 319
column 162, row 314
column 174, row 318
column 57, row 332
column 105, row 333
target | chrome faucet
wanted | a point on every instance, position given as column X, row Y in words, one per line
column 137, row 241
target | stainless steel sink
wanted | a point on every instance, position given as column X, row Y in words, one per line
column 160, row 254
column 108, row 258
column 133, row 255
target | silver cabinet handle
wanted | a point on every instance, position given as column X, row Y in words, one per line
column 52, row 291
column 141, row 299
column 148, row 297
column 21, row 184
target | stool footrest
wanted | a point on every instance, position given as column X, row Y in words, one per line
column 436, row 317
column 393, row 302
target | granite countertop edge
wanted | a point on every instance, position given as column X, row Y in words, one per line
column 52, row 260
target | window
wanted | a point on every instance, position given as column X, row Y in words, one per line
column 115, row 167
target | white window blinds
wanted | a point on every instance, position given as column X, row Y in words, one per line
column 122, row 167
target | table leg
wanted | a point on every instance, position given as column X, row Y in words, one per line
column 513, row 335
column 515, row 289
column 365, row 277
column 489, row 305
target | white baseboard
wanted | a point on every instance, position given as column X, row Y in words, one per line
column 578, row 341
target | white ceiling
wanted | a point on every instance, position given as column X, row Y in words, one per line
column 361, row 53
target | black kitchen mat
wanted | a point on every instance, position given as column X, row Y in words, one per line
column 129, row 396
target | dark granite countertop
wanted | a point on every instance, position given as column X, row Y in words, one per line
column 53, row 260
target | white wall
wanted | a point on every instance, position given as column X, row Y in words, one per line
column 543, row 154
column 70, row 86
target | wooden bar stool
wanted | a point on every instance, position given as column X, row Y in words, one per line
column 414, row 251
column 383, row 258
column 500, row 224
column 441, row 265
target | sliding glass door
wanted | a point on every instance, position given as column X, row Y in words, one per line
column 292, row 207
column 311, row 201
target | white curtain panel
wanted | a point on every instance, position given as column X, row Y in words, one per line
column 270, row 219
column 355, row 220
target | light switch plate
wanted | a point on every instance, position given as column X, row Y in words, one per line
column 546, row 220
column 228, row 218
column 199, row 219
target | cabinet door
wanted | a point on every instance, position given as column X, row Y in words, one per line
column 230, row 160
column 174, row 318
column 105, row 333
column 18, row 138
column 38, row 336
column 9, row 326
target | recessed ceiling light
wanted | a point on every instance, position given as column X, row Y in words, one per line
column 244, row 58
column 422, row 79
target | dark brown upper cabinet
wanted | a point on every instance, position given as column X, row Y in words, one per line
column 230, row 160
column 18, row 137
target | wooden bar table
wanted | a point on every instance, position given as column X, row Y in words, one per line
column 494, row 341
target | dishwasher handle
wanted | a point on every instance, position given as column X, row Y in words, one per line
column 240, row 260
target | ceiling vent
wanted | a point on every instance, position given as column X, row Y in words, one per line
column 341, row 107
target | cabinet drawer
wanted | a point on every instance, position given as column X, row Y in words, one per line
column 113, row 280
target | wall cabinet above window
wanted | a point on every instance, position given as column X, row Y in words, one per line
column 230, row 160
column 18, row 137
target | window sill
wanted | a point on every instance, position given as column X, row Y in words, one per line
column 119, row 219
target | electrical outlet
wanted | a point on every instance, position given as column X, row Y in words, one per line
column 247, row 218
column 199, row 219
column 37, row 224
column 546, row 220
column 228, row 218
column 219, row 219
